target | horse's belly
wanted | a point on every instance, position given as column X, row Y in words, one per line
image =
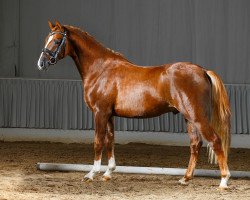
column 140, row 105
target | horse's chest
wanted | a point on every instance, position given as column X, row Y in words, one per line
column 98, row 94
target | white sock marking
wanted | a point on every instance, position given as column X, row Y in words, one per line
column 111, row 167
column 223, row 182
column 97, row 165
column 96, row 169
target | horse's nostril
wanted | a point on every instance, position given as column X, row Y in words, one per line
column 41, row 63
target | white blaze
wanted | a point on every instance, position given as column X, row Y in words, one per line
column 38, row 62
column 49, row 40
column 46, row 45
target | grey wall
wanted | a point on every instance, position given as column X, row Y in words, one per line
column 214, row 34
column 9, row 38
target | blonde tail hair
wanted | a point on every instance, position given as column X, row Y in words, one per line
column 220, row 116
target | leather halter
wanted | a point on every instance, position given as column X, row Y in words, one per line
column 53, row 54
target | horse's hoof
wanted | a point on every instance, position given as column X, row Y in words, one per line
column 106, row 178
column 182, row 181
column 87, row 179
column 223, row 188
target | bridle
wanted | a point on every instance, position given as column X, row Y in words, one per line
column 53, row 54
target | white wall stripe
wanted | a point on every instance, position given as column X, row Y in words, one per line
column 121, row 137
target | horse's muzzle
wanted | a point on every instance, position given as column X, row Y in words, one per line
column 43, row 63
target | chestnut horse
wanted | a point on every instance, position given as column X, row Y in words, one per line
column 113, row 86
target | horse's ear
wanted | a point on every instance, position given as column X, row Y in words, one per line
column 51, row 25
column 58, row 24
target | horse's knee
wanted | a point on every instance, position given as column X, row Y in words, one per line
column 196, row 146
column 98, row 146
column 216, row 144
column 195, row 138
column 109, row 138
column 98, row 150
column 207, row 131
column 200, row 143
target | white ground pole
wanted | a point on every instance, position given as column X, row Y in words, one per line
column 138, row 170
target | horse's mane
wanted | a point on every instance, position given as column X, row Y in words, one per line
column 91, row 38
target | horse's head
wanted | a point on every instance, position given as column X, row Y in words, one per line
column 55, row 46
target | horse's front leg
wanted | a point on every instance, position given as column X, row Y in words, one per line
column 109, row 142
column 101, row 120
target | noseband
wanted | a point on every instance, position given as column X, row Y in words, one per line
column 53, row 54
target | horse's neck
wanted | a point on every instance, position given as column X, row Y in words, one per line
column 87, row 53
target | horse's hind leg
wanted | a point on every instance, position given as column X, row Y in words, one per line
column 210, row 135
column 195, row 146
column 109, row 142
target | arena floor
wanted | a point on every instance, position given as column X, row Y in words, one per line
column 19, row 178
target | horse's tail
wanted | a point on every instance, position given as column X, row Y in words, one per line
column 220, row 116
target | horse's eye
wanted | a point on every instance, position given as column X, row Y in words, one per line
column 56, row 41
